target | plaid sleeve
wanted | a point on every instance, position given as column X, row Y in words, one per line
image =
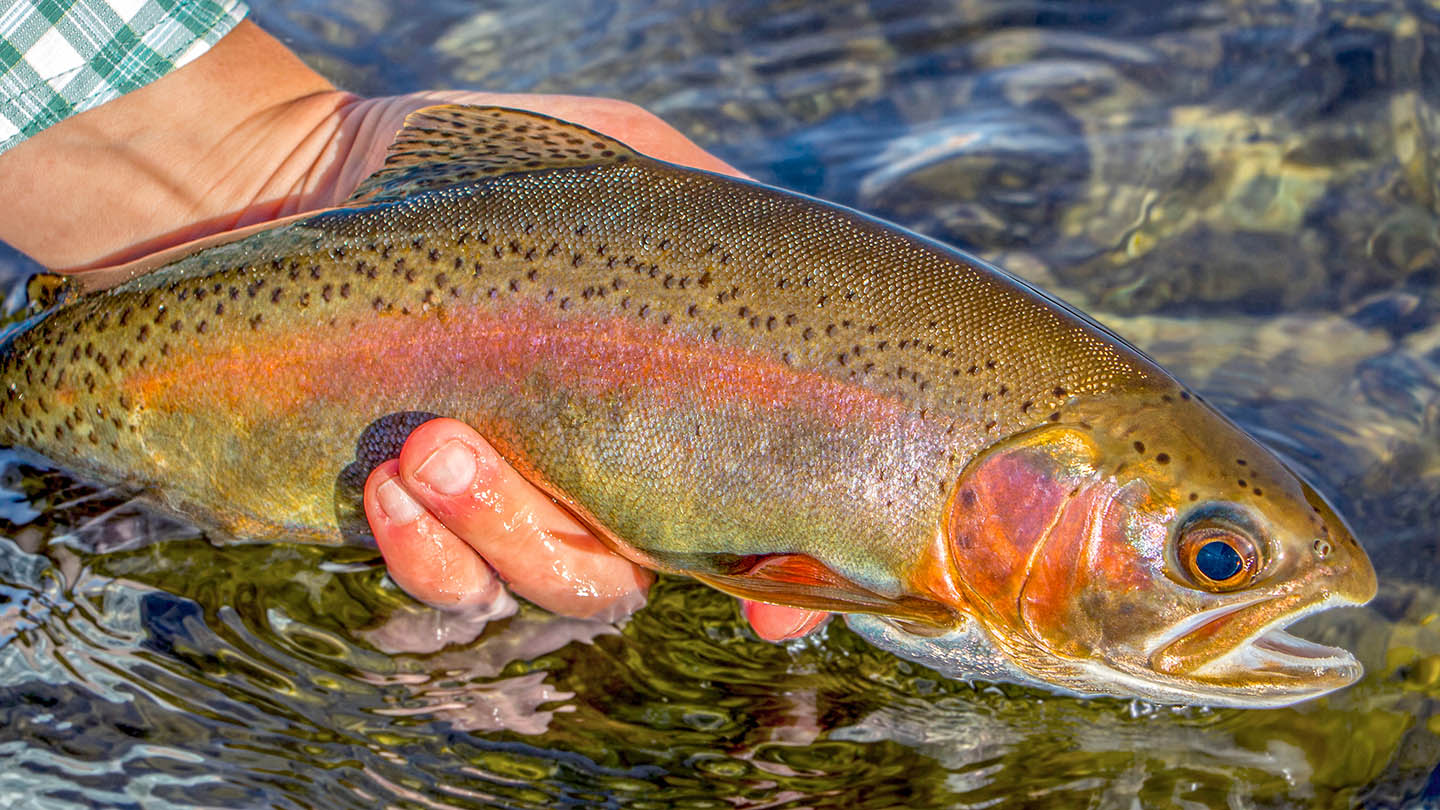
column 61, row 57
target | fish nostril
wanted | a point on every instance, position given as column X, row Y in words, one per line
column 1322, row 547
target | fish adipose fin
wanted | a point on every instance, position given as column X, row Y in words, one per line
column 452, row 144
column 798, row 580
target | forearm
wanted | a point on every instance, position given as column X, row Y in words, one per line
column 244, row 134
column 190, row 154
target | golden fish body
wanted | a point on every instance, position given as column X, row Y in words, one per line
column 783, row 398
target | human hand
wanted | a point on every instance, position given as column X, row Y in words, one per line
column 246, row 135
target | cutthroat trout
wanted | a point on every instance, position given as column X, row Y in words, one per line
column 785, row 399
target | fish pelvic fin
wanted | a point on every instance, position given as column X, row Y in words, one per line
column 798, row 580
column 451, row 144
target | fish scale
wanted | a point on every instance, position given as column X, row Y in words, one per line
column 709, row 373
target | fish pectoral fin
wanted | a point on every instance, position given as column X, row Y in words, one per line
column 452, row 144
column 798, row 580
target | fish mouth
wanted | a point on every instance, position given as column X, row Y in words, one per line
column 1259, row 663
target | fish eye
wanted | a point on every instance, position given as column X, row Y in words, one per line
column 1218, row 561
column 1217, row 555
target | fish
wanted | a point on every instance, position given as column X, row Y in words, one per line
column 786, row 399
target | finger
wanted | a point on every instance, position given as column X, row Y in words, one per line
column 778, row 623
column 424, row 558
column 540, row 551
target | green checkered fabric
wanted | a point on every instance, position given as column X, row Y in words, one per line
column 61, row 57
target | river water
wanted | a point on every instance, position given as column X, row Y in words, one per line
column 1247, row 190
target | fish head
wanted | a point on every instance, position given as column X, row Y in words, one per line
column 1150, row 547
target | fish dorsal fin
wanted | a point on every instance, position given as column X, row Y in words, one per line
column 451, row 144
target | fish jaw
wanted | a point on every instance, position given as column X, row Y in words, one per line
column 1265, row 665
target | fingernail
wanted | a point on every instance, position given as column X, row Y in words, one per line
column 396, row 503
column 449, row 470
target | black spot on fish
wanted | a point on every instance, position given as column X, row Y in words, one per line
column 1163, row 458
column 1139, row 447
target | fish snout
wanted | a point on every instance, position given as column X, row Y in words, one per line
column 1342, row 565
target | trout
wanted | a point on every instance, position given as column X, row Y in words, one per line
column 786, row 399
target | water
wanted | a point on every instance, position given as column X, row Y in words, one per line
column 1247, row 190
